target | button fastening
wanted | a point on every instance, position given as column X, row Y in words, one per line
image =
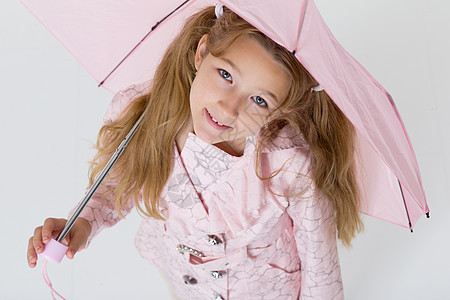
column 218, row 297
column 214, row 240
column 217, row 274
column 189, row 280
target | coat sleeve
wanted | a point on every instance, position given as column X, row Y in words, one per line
column 100, row 211
column 314, row 230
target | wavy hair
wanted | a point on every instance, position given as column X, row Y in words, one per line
column 147, row 163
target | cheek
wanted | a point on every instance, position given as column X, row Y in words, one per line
column 251, row 120
column 194, row 95
column 255, row 117
column 201, row 91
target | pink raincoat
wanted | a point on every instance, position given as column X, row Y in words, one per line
column 226, row 236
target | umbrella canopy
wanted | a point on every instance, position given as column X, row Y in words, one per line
column 121, row 43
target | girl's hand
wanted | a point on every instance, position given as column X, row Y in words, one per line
column 76, row 238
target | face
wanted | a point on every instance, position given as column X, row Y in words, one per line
column 232, row 95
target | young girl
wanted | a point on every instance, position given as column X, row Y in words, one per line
column 242, row 166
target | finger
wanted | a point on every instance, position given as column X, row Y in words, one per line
column 37, row 240
column 31, row 254
column 78, row 237
column 70, row 254
column 51, row 226
column 76, row 245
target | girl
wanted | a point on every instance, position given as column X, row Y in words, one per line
column 242, row 166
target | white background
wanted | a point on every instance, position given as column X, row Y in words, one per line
column 51, row 111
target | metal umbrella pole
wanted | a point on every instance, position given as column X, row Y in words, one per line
column 99, row 180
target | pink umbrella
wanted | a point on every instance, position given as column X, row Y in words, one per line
column 120, row 43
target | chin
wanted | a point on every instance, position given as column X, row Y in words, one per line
column 207, row 138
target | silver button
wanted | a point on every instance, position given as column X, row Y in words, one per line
column 218, row 297
column 214, row 240
column 182, row 249
column 189, row 280
column 217, row 274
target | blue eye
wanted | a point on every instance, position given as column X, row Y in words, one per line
column 260, row 101
column 225, row 74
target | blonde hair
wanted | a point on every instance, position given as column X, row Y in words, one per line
column 146, row 164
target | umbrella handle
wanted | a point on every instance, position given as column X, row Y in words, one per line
column 99, row 180
column 54, row 251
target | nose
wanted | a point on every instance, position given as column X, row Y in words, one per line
column 231, row 106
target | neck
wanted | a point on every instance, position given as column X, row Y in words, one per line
column 235, row 148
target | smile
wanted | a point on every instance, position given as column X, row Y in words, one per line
column 213, row 122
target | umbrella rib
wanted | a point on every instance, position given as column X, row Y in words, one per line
column 140, row 42
column 406, row 208
column 300, row 27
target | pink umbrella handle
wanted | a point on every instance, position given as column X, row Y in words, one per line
column 54, row 251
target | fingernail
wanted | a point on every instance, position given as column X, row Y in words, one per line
column 45, row 238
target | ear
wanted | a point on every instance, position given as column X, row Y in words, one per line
column 201, row 52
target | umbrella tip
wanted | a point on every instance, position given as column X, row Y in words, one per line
column 411, row 230
column 428, row 215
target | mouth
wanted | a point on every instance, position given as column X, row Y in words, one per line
column 213, row 122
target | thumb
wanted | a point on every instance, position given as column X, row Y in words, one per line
column 77, row 242
column 74, row 247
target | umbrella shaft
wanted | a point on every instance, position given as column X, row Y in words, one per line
column 99, row 180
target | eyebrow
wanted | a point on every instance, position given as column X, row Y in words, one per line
column 235, row 68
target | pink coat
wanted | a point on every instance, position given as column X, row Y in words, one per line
column 226, row 236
